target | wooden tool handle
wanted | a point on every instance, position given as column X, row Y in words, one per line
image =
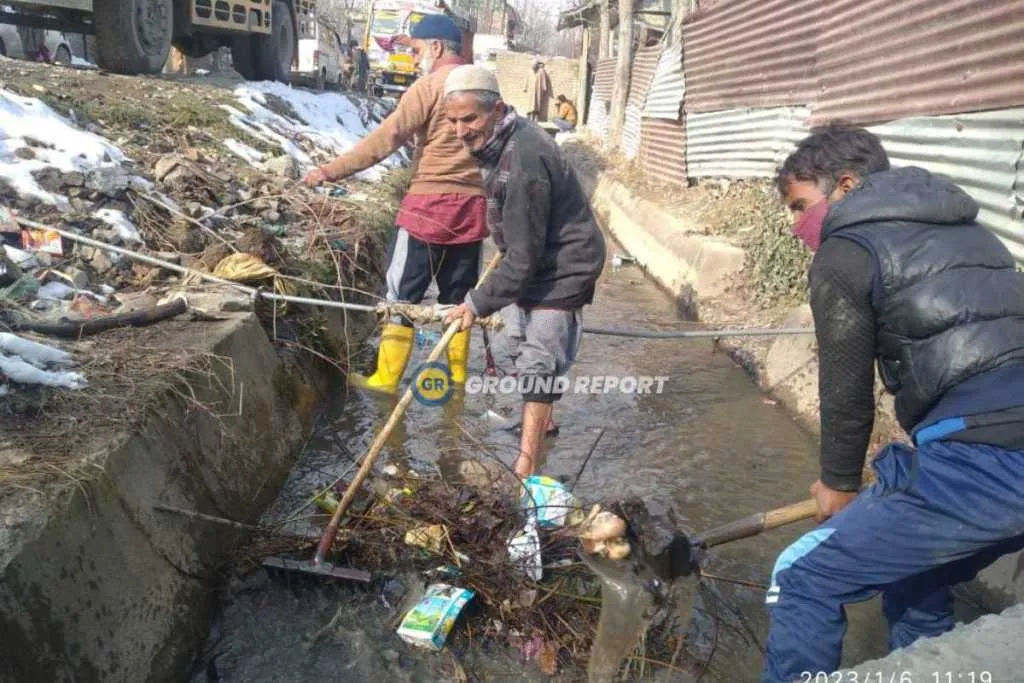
column 797, row 512
column 378, row 444
column 757, row 523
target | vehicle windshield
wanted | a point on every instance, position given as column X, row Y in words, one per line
column 414, row 18
column 386, row 22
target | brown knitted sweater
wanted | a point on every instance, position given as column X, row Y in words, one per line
column 441, row 164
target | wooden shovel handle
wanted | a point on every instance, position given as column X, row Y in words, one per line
column 378, row 444
column 797, row 512
column 757, row 523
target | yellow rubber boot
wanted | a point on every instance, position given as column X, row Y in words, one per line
column 458, row 356
column 393, row 355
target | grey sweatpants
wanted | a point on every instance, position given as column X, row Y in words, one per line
column 544, row 342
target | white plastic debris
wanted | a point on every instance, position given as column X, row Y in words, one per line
column 33, row 352
column 28, row 362
column 22, row 259
column 524, row 549
column 17, row 370
column 56, row 291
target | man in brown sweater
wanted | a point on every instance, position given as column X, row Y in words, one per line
column 442, row 221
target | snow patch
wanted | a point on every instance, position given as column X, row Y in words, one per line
column 82, row 63
column 253, row 156
column 331, row 124
column 126, row 230
column 51, row 141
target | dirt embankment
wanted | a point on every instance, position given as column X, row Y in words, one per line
column 202, row 176
column 203, row 410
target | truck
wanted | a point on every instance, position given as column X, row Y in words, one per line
column 135, row 36
column 392, row 70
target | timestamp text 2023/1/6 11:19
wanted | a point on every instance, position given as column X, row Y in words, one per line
column 897, row 677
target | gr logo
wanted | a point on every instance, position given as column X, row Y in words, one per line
column 432, row 384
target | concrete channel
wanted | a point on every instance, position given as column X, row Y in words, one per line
column 96, row 585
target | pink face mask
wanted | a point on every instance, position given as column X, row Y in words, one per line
column 808, row 228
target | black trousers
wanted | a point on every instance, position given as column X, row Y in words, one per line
column 413, row 264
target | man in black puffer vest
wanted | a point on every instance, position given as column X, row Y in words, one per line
column 904, row 276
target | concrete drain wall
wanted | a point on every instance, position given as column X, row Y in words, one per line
column 96, row 584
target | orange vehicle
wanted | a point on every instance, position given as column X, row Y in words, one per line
column 391, row 65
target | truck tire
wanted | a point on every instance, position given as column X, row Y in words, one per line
column 273, row 54
column 242, row 57
column 133, row 36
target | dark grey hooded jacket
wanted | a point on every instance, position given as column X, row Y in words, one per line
column 540, row 219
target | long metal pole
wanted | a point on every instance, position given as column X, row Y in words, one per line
column 160, row 263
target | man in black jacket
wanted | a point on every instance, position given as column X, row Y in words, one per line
column 905, row 276
column 553, row 250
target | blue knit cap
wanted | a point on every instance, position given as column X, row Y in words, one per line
column 436, row 27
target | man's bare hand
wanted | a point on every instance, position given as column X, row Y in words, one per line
column 830, row 501
column 461, row 312
column 315, row 178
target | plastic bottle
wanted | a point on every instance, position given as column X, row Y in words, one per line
column 427, row 338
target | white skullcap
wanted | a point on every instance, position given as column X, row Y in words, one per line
column 471, row 77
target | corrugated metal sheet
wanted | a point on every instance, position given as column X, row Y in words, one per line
column 665, row 96
column 604, row 79
column 879, row 60
column 742, row 143
column 645, row 62
column 980, row 152
column 663, row 151
column 632, row 132
column 752, row 53
column 597, row 117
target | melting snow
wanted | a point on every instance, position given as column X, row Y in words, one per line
column 330, row 123
column 254, row 157
column 82, row 63
column 126, row 230
column 51, row 140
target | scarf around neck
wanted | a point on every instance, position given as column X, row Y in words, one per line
column 490, row 153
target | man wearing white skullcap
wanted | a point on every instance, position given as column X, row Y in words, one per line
column 541, row 221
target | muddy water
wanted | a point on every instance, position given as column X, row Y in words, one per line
column 711, row 446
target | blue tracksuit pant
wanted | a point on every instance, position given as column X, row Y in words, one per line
column 934, row 518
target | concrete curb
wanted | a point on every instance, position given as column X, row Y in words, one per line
column 96, row 585
column 989, row 645
column 681, row 260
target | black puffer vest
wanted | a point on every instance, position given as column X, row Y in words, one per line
column 948, row 301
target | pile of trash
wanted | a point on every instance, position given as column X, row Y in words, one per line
column 508, row 568
column 194, row 209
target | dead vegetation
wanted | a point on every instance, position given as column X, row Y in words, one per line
column 460, row 529
column 201, row 206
